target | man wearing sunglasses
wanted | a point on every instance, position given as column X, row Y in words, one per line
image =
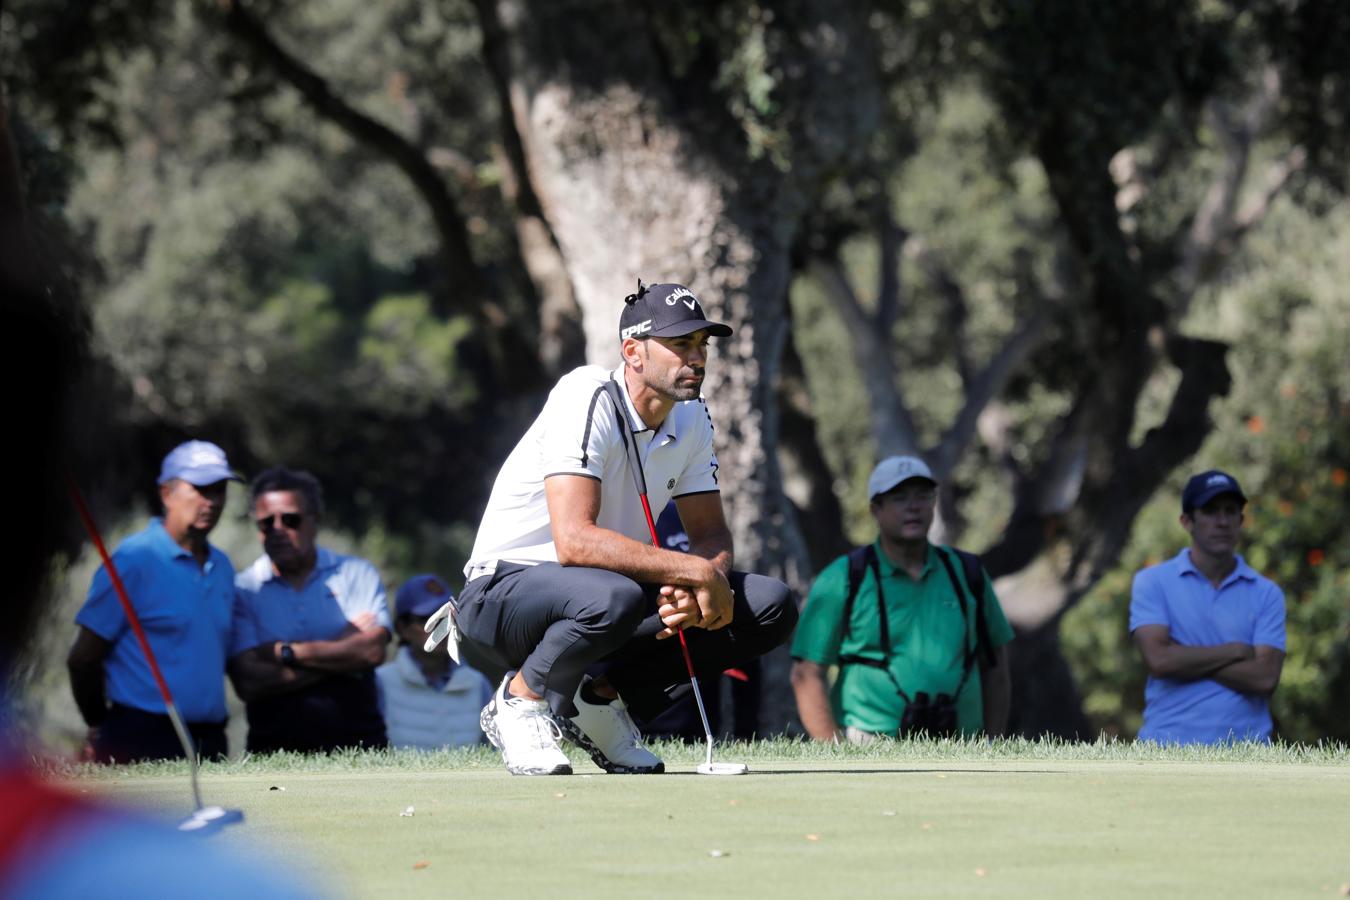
column 182, row 588
column 310, row 627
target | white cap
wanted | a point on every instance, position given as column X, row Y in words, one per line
column 894, row 470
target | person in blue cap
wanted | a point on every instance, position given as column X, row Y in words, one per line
column 428, row 699
column 1210, row 629
column 183, row 591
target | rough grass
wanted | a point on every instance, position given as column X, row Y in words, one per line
column 781, row 749
column 915, row 818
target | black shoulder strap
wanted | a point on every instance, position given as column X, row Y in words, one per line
column 859, row 558
column 974, row 577
column 970, row 564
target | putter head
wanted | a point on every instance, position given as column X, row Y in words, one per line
column 722, row 768
column 210, row 819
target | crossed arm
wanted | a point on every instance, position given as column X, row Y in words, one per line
column 258, row 672
column 1241, row 667
column 695, row 591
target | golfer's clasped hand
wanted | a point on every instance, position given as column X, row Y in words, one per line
column 704, row 606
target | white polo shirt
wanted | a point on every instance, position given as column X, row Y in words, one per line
column 577, row 433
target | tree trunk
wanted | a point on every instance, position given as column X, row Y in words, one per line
column 642, row 171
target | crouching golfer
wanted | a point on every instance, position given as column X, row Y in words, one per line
column 567, row 601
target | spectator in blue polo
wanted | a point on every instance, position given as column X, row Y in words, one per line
column 1210, row 629
column 310, row 628
column 429, row 700
column 183, row 590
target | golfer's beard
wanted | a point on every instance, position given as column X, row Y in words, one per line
column 676, row 391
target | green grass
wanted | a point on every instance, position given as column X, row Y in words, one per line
column 921, row 818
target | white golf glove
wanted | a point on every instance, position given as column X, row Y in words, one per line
column 443, row 627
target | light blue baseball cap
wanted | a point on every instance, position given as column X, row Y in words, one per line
column 197, row 462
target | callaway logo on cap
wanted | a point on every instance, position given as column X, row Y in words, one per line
column 665, row 310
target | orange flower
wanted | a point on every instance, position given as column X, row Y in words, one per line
column 1338, row 477
column 1316, row 557
column 1256, row 424
column 1286, row 508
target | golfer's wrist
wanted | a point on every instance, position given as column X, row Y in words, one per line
column 710, row 574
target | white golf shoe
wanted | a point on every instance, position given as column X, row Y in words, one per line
column 525, row 733
column 607, row 733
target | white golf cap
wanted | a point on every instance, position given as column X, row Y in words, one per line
column 895, row 470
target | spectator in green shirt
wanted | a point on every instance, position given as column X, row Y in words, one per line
column 934, row 645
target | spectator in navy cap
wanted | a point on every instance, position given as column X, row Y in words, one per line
column 428, row 699
column 1210, row 629
column 183, row 590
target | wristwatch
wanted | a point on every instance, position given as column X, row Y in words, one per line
column 287, row 654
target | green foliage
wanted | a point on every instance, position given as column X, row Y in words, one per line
column 984, row 221
column 263, row 279
column 405, row 345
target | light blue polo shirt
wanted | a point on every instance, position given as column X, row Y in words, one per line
column 339, row 589
column 185, row 610
column 1247, row 607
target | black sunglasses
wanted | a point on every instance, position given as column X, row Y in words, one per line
column 290, row 520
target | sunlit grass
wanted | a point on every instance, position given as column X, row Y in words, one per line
column 781, row 749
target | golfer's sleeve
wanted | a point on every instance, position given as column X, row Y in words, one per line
column 577, row 431
column 1269, row 630
column 700, row 475
column 102, row 612
column 821, row 626
column 1148, row 604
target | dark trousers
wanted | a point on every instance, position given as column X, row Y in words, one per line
column 682, row 721
column 340, row 711
column 557, row 623
column 128, row 735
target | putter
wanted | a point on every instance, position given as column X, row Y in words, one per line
column 204, row 819
column 707, row 767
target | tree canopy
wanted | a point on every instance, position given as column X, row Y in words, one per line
column 1035, row 242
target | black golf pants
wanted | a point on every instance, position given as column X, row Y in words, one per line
column 557, row 623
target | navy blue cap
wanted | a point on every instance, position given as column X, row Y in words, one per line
column 665, row 310
column 196, row 462
column 421, row 595
column 1202, row 488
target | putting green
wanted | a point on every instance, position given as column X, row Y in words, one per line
column 815, row 828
